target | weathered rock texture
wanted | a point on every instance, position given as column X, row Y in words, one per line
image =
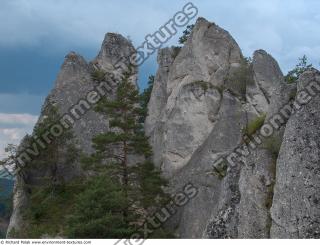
column 72, row 86
column 296, row 202
column 199, row 113
column 258, row 172
column 204, row 101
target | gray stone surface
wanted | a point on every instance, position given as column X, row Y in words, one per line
column 157, row 103
column 295, row 209
column 197, row 114
column 266, row 77
column 72, row 85
column 258, row 173
column 193, row 94
column 215, row 194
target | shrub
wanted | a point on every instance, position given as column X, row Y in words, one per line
column 98, row 75
column 186, row 34
column 300, row 68
column 49, row 209
column 205, row 86
column 255, row 124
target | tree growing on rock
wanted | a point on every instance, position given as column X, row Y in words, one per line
column 300, row 68
column 130, row 187
column 186, row 34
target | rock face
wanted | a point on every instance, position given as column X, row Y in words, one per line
column 189, row 94
column 208, row 102
column 295, row 209
column 266, row 77
column 258, row 172
column 70, row 96
column 198, row 114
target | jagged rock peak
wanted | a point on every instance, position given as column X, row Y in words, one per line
column 74, row 60
column 266, row 80
column 209, row 55
column 72, row 69
column 114, row 48
column 217, row 30
column 267, row 70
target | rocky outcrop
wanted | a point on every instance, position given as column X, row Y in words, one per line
column 200, row 108
column 266, row 77
column 207, row 102
column 295, row 209
column 258, row 172
column 74, row 83
column 73, row 89
column 158, row 99
column 190, row 91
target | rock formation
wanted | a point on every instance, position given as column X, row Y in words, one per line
column 296, row 210
column 72, row 86
column 202, row 113
column 206, row 101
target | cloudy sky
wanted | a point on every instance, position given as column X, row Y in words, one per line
column 35, row 35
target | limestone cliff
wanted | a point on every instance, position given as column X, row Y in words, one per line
column 198, row 113
column 73, row 85
column 208, row 102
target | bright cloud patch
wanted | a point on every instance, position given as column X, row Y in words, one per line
column 13, row 127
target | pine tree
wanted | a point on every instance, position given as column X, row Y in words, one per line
column 98, row 211
column 49, row 197
column 61, row 148
column 137, row 184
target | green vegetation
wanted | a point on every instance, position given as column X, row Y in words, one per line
column 125, row 193
column 206, row 85
column 50, row 198
column 145, row 98
column 120, row 193
column 300, row 68
column 186, row 34
column 6, row 187
column 53, row 154
column 255, row 124
column 98, row 75
column 98, row 211
column 238, row 80
column 49, row 210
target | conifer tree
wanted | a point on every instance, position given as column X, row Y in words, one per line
column 60, row 150
column 137, row 184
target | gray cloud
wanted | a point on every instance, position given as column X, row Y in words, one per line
column 13, row 127
column 287, row 29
